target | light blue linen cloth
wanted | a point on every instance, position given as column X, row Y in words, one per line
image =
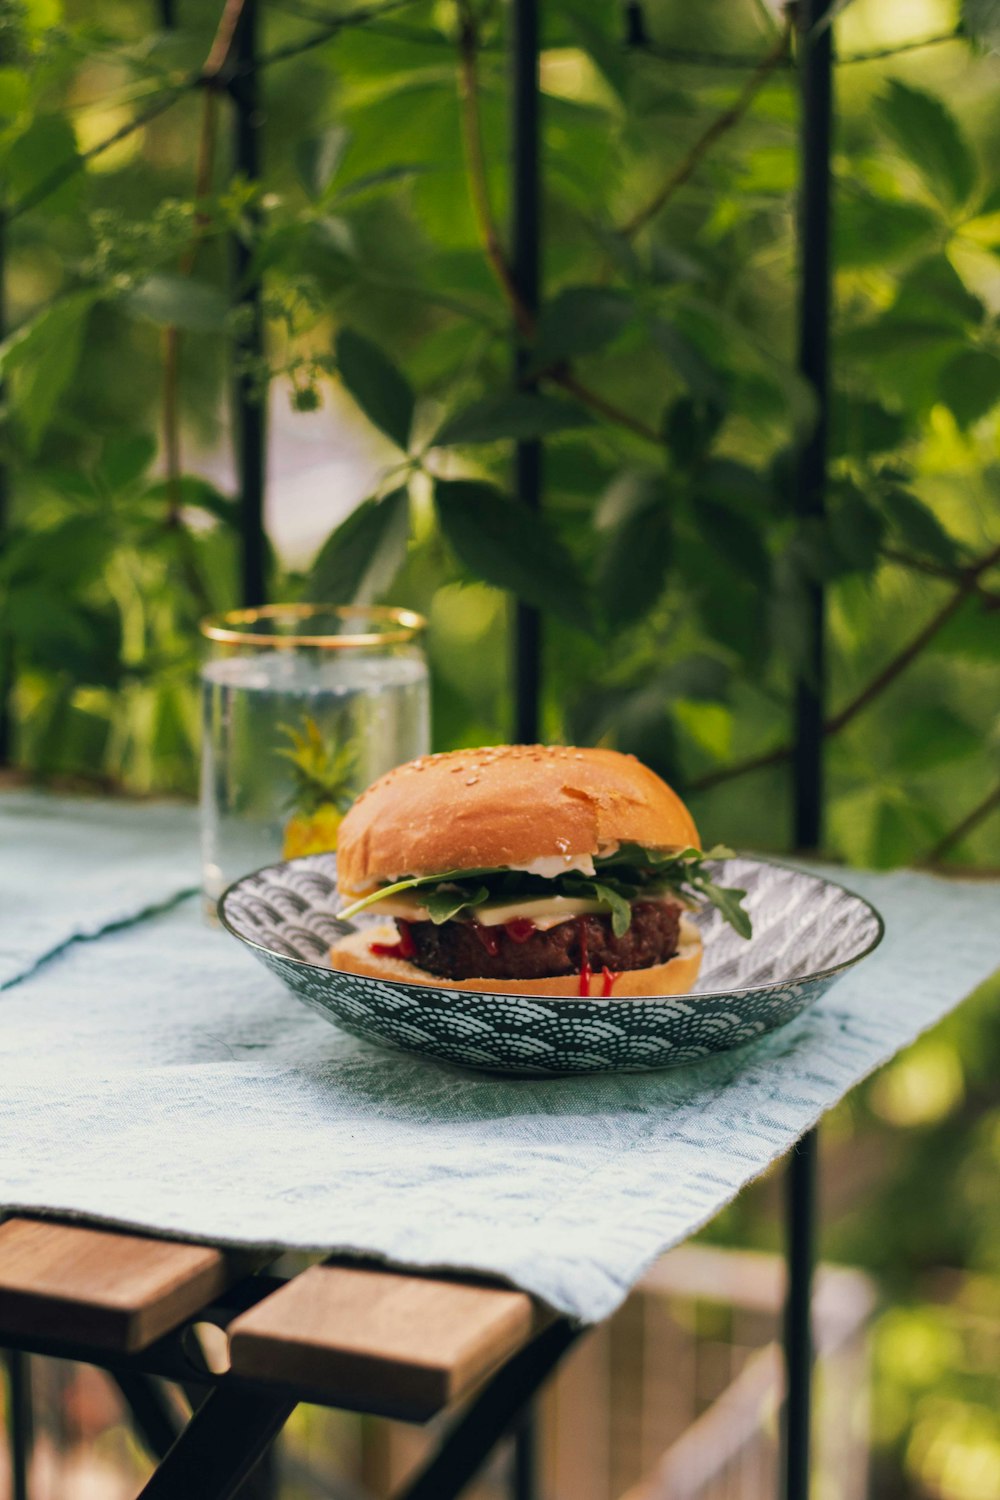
column 72, row 866
column 160, row 1078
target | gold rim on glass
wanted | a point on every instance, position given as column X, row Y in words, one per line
column 229, row 628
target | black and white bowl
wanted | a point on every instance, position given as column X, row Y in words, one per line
column 806, row 932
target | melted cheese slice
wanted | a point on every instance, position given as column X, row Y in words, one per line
column 544, row 911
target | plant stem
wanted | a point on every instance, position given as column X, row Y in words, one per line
column 719, row 126
column 171, row 335
column 215, row 64
column 472, row 137
column 872, row 689
column 982, row 810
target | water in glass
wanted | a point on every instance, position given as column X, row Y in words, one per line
column 289, row 739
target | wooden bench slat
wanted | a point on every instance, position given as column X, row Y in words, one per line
column 380, row 1340
column 98, row 1287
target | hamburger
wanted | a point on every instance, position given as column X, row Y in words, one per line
column 544, row 869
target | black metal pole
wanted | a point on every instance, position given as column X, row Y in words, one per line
column 220, row 1446
column 489, row 1416
column 152, row 1415
column 800, row 1201
column 250, row 388
column 525, row 1457
column 815, row 65
column 6, row 651
column 526, row 270
column 20, row 1421
column 816, row 73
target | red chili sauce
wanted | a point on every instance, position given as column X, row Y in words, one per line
column 404, row 948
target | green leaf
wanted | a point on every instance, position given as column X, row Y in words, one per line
column 444, row 903
column 66, row 556
column 709, row 726
column 728, row 900
column 931, row 736
column 972, row 633
column 928, row 135
column 505, row 543
column 318, row 158
column 606, row 52
column 597, row 890
column 380, row 389
column 981, row 20
column 701, row 378
column 860, row 425
column 917, row 525
column 970, row 385
column 733, row 537
column 45, row 149
column 690, row 427
column 856, row 526
column 870, row 231
column 636, row 541
column 878, row 828
column 740, row 488
column 933, row 289
column 519, row 415
column 40, row 360
column 179, row 302
column 385, row 176
column 192, row 490
column 125, row 460
column 580, row 320
column 890, row 339
column 358, row 561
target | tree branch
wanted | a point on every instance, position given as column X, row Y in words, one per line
column 872, row 689
column 564, row 377
column 334, row 25
column 981, row 811
column 738, row 60
column 719, row 126
column 938, row 570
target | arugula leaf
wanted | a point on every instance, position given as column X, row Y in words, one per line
column 448, row 900
column 683, row 870
column 610, row 896
column 411, row 883
column 729, row 901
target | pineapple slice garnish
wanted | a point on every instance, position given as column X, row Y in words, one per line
column 322, row 778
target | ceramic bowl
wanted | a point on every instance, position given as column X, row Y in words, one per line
column 807, row 932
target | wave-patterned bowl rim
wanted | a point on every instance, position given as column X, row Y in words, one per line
column 721, row 994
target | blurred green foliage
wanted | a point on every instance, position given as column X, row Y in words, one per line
column 669, row 566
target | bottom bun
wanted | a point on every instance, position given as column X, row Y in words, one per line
column 354, row 956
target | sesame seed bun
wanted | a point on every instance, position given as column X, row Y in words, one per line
column 353, row 955
column 505, row 805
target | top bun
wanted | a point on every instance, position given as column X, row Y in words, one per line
column 505, row 805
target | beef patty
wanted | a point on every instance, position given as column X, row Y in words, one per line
column 468, row 950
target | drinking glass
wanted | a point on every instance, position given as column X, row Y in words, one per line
column 302, row 706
